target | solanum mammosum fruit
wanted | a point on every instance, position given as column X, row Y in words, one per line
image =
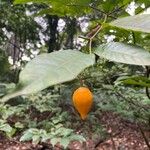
column 82, row 100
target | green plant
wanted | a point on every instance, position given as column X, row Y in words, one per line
column 74, row 64
column 5, row 127
column 55, row 136
column 47, row 70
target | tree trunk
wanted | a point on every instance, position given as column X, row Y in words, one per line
column 71, row 31
column 53, row 33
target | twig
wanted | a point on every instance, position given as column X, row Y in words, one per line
column 75, row 5
column 118, row 9
column 82, row 37
column 90, row 46
column 147, row 75
column 91, row 38
column 100, row 27
column 144, row 136
column 91, row 35
column 103, row 12
column 133, row 36
column 109, row 136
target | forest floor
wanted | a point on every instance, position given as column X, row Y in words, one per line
column 124, row 135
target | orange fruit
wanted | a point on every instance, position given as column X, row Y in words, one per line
column 82, row 100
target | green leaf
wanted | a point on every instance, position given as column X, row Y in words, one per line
column 7, row 129
column 64, row 142
column 54, row 141
column 124, row 53
column 36, row 139
column 19, row 125
column 10, row 134
column 26, row 137
column 77, row 137
column 50, row 69
column 139, row 23
column 21, row 1
column 67, row 132
column 27, row 1
column 134, row 80
column 36, row 135
column 62, row 8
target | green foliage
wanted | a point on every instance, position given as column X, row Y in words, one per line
column 7, row 111
column 27, row 1
column 62, row 8
column 134, row 80
column 139, row 23
column 55, row 124
column 33, row 134
column 6, row 88
column 16, row 22
column 110, row 95
column 131, row 104
column 124, row 53
column 5, row 127
column 4, row 65
column 56, row 136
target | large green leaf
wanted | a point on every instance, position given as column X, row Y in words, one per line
column 136, row 23
column 124, row 53
column 62, row 8
column 50, row 69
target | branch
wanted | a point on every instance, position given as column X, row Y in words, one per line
column 144, row 136
column 76, row 5
column 133, row 36
column 147, row 75
column 109, row 15
column 91, row 35
column 118, row 9
column 91, row 38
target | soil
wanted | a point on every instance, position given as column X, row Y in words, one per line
column 124, row 135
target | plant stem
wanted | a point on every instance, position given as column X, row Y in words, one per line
column 118, row 9
column 133, row 36
column 147, row 75
column 97, row 31
column 90, row 46
column 92, row 37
